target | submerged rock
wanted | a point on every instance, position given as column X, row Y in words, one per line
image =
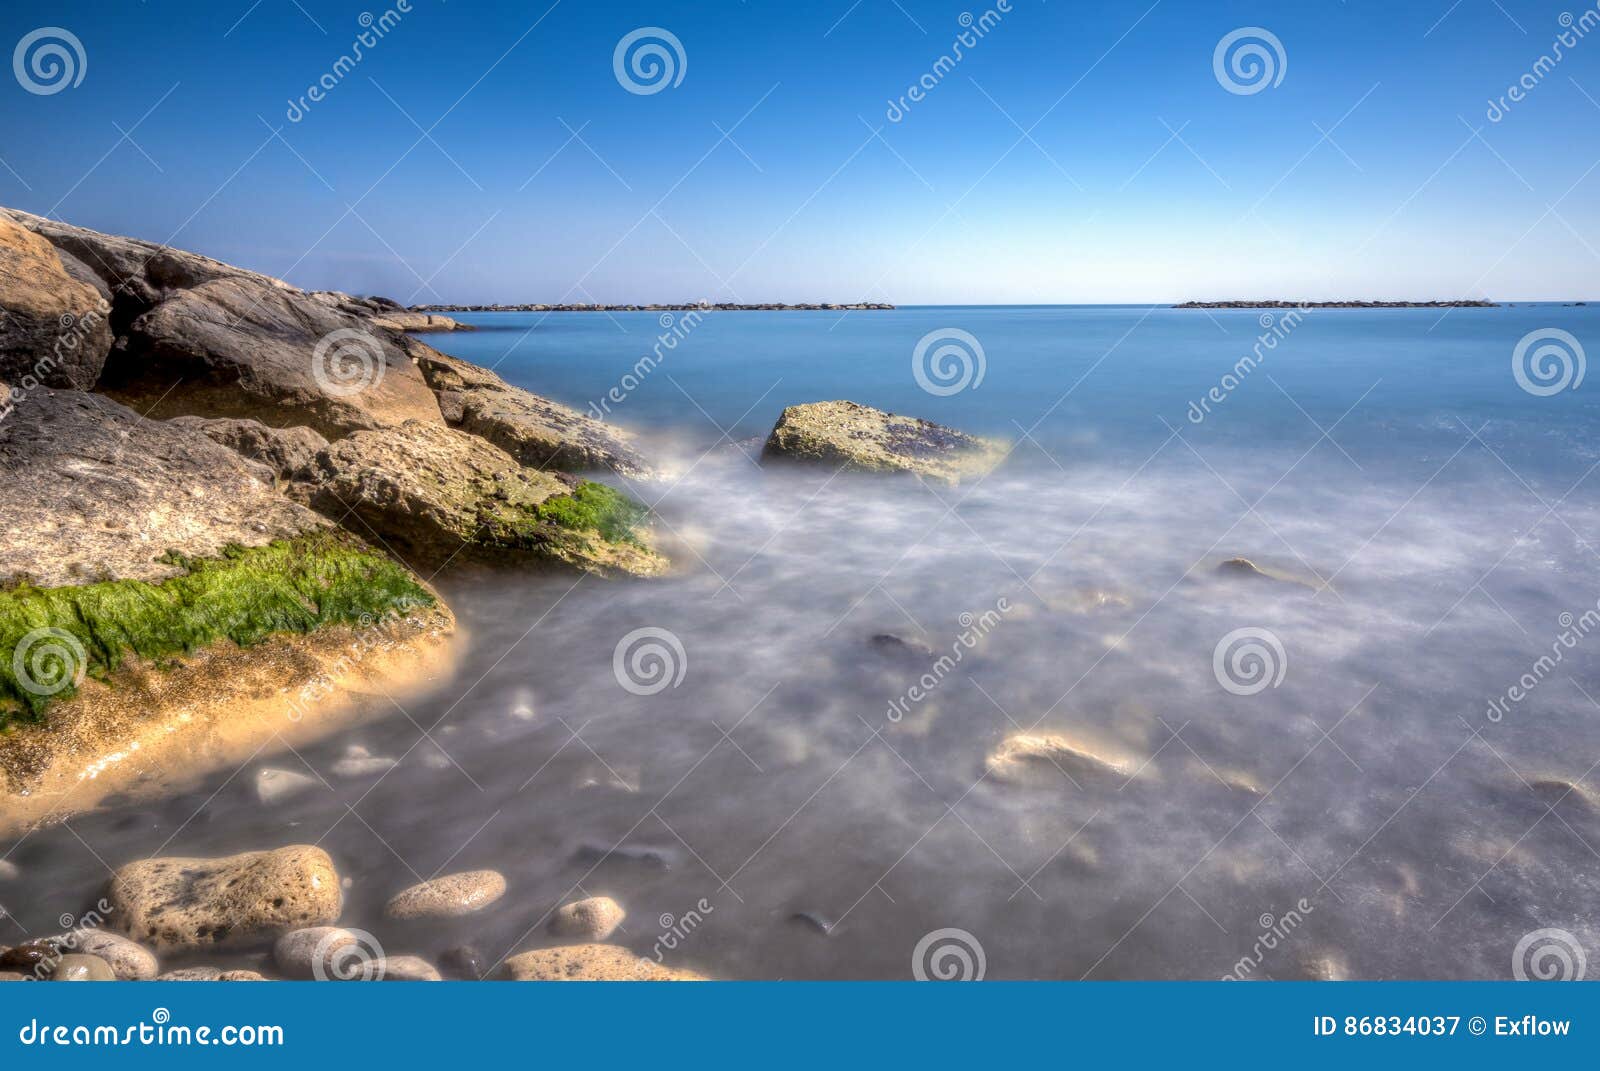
column 55, row 331
column 405, row 969
column 594, row 919
column 846, row 435
column 588, row 963
column 315, row 952
column 1035, row 757
column 359, row 762
column 464, row 962
column 275, row 786
column 892, row 646
column 1245, row 569
column 76, row 967
column 536, row 431
column 448, row 897
column 189, row 903
column 129, row 961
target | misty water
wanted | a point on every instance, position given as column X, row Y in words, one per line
column 782, row 807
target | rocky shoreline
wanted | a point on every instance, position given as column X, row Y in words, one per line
column 1464, row 303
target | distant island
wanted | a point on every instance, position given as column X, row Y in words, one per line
column 698, row 306
column 1466, row 303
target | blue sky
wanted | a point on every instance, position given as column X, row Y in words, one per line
column 759, row 176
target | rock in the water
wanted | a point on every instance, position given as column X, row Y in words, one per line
column 77, row 967
column 1042, row 757
column 327, row 953
column 596, row 852
column 130, row 962
column 288, row 453
column 448, row 897
column 8, row 870
column 382, row 312
column 359, row 762
column 121, row 492
column 405, row 969
column 54, row 331
column 593, row 919
column 191, row 974
column 240, row 348
column 187, row 903
column 892, row 646
column 274, row 785
column 241, row 976
column 27, row 956
column 464, row 962
column 538, row 432
column 1245, row 569
column 588, row 963
column 437, row 496
column 845, row 435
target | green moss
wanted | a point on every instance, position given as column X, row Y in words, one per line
column 246, row 595
column 595, row 506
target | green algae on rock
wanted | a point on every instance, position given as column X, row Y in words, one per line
column 297, row 585
column 847, row 435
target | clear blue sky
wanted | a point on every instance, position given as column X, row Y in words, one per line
column 1101, row 202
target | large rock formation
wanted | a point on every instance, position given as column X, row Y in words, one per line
column 54, row 330
column 845, row 435
column 534, row 430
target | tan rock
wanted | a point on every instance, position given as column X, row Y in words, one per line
column 56, row 331
column 188, row 903
column 588, row 963
column 1043, row 757
column 845, row 435
column 593, row 919
column 76, row 967
column 448, row 897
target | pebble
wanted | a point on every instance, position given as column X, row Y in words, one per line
column 315, row 950
column 25, row 957
column 405, row 969
column 274, row 785
column 129, row 961
column 359, row 762
column 448, row 897
column 588, row 963
column 597, row 852
column 76, row 967
column 191, row 974
column 595, row 918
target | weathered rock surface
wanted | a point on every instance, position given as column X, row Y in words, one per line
column 386, row 313
column 536, row 431
column 238, row 348
column 1043, row 757
column 593, row 919
column 76, row 967
column 288, row 453
column 129, row 961
column 405, row 969
column 54, row 330
column 845, row 435
column 448, row 897
column 210, row 974
column 119, row 491
column 317, row 952
column 588, row 963
column 434, row 495
column 188, row 903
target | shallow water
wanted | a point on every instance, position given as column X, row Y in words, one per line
column 1367, row 802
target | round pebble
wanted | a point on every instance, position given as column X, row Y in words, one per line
column 301, row 953
column 129, row 961
column 593, row 919
column 448, row 897
column 76, row 967
column 405, row 969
